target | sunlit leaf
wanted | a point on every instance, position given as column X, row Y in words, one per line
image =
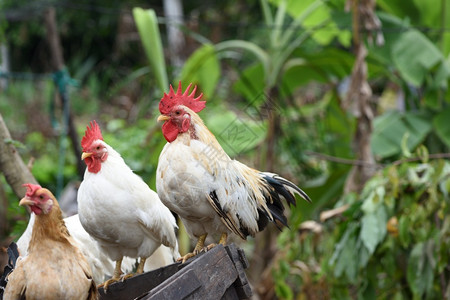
column 148, row 28
column 202, row 68
column 415, row 55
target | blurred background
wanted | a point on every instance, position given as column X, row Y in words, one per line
column 347, row 99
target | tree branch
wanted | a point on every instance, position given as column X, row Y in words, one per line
column 11, row 164
column 355, row 162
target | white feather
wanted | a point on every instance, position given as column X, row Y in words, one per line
column 119, row 210
column 187, row 174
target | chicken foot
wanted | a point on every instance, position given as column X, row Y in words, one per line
column 116, row 276
column 198, row 248
column 140, row 268
column 222, row 241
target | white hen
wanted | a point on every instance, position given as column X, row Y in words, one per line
column 118, row 209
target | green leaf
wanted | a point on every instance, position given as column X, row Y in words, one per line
column 345, row 253
column 398, row 8
column 283, row 290
column 414, row 56
column 147, row 25
column 404, row 145
column 390, row 128
column 259, row 53
column 235, row 134
column 403, row 231
column 420, row 272
column 202, row 68
column 441, row 125
column 313, row 14
column 373, row 228
column 250, row 82
column 268, row 18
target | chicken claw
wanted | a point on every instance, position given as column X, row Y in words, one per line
column 116, row 276
column 198, row 248
column 107, row 283
column 185, row 257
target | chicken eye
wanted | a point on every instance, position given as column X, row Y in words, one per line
column 177, row 112
column 98, row 147
column 41, row 197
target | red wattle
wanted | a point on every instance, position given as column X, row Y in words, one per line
column 93, row 165
column 36, row 209
column 170, row 131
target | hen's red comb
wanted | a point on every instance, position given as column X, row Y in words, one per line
column 173, row 99
column 31, row 188
column 91, row 134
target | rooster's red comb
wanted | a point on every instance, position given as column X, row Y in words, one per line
column 91, row 134
column 173, row 99
column 31, row 188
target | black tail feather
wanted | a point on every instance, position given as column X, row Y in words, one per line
column 13, row 254
column 263, row 219
column 286, row 182
column 280, row 187
column 278, row 215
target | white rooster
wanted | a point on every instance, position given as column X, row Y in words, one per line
column 212, row 193
column 118, row 209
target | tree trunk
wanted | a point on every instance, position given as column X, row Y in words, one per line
column 173, row 12
column 57, row 63
column 360, row 93
column 11, row 164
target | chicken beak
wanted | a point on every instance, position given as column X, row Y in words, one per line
column 26, row 202
column 162, row 118
column 85, row 155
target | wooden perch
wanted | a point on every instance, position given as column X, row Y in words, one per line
column 216, row 274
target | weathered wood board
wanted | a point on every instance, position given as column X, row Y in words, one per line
column 216, row 274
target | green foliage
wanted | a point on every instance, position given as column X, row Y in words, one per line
column 202, row 68
column 442, row 125
column 396, row 230
column 416, row 58
column 147, row 24
column 392, row 126
column 432, row 14
column 282, row 41
column 320, row 20
column 393, row 239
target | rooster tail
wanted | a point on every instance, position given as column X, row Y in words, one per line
column 279, row 186
column 284, row 187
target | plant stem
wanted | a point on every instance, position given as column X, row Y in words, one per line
column 442, row 33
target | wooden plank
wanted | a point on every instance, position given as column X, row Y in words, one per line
column 138, row 285
column 184, row 286
column 242, row 286
column 218, row 273
column 214, row 269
